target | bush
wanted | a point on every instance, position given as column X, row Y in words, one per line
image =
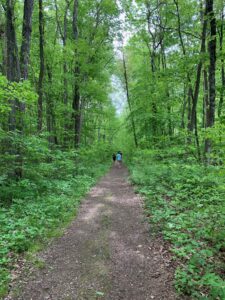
column 186, row 203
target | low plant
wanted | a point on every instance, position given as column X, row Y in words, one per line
column 186, row 203
column 45, row 199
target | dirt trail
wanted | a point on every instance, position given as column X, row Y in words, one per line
column 106, row 253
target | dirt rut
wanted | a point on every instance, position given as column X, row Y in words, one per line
column 106, row 253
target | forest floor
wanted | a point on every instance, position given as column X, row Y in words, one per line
column 107, row 252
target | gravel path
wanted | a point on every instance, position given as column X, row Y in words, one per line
column 106, row 253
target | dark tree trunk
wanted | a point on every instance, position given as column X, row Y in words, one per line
column 192, row 114
column 205, row 98
column 169, row 109
column 190, row 89
column 2, row 43
column 42, row 67
column 76, row 96
column 50, row 111
column 26, row 38
column 13, row 75
column 63, row 33
column 13, row 68
column 184, row 108
column 12, row 63
column 190, row 94
column 25, row 46
column 198, row 76
column 211, row 73
column 129, row 101
column 222, row 65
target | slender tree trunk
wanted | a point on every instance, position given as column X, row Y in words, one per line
column 164, row 66
column 2, row 43
column 211, row 73
column 205, row 98
column 198, row 76
column 12, row 64
column 13, row 67
column 184, row 108
column 190, row 93
column 25, row 48
column 190, row 90
column 13, row 75
column 76, row 96
column 129, row 101
column 192, row 114
column 26, row 38
column 63, row 33
column 222, row 65
column 50, row 112
column 42, row 67
column 65, row 71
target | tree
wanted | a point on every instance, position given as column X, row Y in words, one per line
column 42, row 67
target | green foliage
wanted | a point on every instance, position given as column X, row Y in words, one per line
column 186, row 203
column 21, row 91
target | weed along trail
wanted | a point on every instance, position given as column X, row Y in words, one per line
column 106, row 253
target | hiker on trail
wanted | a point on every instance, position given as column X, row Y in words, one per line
column 114, row 157
column 121, row 155
column 119, row 159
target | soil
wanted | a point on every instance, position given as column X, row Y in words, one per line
column 107, row 252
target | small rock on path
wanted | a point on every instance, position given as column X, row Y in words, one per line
column 106, row 253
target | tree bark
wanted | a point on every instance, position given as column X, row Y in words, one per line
column 205, row 97
column 12, row 61
column 26, row 38
column 76, row 97
column 222, row 65
column 198, row 75
column 13, row 75
column 63, row 33
column 129, row 101
column 2, row 43
column 184, row 108
column 190, row 89
column 50, row 112
column 42, row 67
column 211, row 73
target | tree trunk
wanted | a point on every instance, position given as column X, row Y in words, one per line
column 198, row 76
column 205, row 98
column 42, row 67
column 222, row 65
column 2, row 43
column 184, row 108
column 190, row 89
column 26, row 38
column 12, row 63
column 13, row 75
column 211, row 73
column 76, row 96
column 63, row 33
column 129, row 101
column 50, row 112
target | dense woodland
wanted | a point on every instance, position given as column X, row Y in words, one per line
column 59, row 127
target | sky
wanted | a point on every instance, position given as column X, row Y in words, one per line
column 118, row 96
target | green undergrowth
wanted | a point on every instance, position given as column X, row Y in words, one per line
column 45, row 200
column 185, row 201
